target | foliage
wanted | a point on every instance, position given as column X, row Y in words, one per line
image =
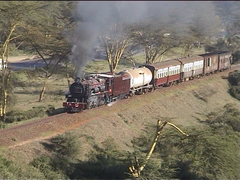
column 39, row 111
column 106, row 163
column 156, row 39
column 236, row 56
column 44, row 164
column 208, row 153
column 229, row 115
column 6, row 169
column 221, row 45
column 234, row 81
column 59, row 165
column 65, row 145
column 10, row 170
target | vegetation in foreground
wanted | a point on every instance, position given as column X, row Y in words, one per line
column 209, row 152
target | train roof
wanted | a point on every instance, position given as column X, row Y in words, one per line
column 224, row 53
column 190, row 59
column 172, row 62
column 215, row 53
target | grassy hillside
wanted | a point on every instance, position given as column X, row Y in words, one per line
column 111, row 134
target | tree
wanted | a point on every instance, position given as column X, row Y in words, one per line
column 48, row 37
column 13, row 17
column 202, row 27
column 156, row 40
column 114, row 43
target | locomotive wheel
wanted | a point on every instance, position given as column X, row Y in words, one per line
column 144, row 91
column 89, row 105
column 151, row 90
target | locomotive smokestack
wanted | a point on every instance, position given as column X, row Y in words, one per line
column 77, row 80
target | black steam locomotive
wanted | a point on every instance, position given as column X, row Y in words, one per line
column 88, row 93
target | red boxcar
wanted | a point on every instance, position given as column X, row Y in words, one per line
column 118, row 86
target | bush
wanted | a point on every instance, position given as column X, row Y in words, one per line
column 65, row 145
column 103, row 163
column 234, row 81
column 14, row 116
column 45, row 165
column 236, row 56
column 229, row 116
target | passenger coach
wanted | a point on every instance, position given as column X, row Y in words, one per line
column 165, row 73
column 191, row 67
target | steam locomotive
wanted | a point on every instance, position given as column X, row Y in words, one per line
column 100, row 89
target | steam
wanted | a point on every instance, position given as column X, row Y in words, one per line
column 97, row 16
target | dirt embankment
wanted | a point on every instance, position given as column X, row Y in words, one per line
column 183, row 105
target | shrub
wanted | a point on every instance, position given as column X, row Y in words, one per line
column 229, row 116
column 45, row 165
column 234, row 81
column 14, row 116
column 236, row 56
column 65, row 145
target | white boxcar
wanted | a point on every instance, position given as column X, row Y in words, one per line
column 139, row 76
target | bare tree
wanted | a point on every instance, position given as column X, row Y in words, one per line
column 115, row 43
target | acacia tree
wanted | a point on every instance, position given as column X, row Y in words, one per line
column 156, row 40
column 114, row 42
column 13, row 17
column 48, row 38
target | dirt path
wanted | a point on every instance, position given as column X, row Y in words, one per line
column 20, row 58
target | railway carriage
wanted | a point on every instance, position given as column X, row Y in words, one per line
column 210, row 64
column 191, row 67
column 224, row 60
column 165, row 73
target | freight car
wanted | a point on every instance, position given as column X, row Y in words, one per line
column 99, row 89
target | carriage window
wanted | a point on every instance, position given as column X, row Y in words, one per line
column 208, row 62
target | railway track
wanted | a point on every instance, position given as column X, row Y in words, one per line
column 53, row 125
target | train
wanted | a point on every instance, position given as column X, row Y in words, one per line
column 97, row 89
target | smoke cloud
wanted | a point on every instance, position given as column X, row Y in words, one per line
column 98, row 16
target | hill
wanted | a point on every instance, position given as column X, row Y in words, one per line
column 184, row 105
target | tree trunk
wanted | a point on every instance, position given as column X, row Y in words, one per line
column 67, row 75
column 4, row 107
column 6, row 74
column 43, row 91
column 5, row 81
